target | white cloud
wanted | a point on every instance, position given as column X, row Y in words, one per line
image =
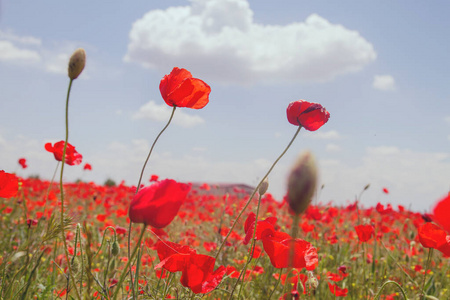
column 30, row 52
column 383, row 82
column 324, row 135
column 333, row 148
column 10, row 53
column 26, row 40
column 161, row 113
column 219, row 39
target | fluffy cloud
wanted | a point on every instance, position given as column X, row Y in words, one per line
column 324, row 135
column 161, row 113
column 219, row 39
column 10, row 53
column 29, row 51
column 384, row 82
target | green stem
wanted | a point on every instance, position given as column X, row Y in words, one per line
column 430, row 254
column 378, row 295
column 63, row 234
column 253, row 245
column 122, row 277
column 254, row 192
column 151, row 149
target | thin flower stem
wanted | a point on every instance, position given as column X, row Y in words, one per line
column 294, row 235
column 254, row 192
column 430, row 254
column 151, row 149
column 61, row 187
column 276, row 285
column 253, row 245
column 122, row 277
column 378, row 295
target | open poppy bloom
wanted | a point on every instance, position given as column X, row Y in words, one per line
column 72, row 156
column 309, row 115
column 431, row 236
column 249, row 227
column 337, row 291
column 158, row 204
column 181, row 90
column 440, row 213
column 9, row 185
column 364, row 232
column 23, row 163
column 197, row 269
column 278, row 244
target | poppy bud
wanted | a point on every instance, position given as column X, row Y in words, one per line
column 263, row 187
column 115, row 248
column 76, row 63
column 302, row 182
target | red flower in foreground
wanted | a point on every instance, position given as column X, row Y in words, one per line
column 23, row 163
column 440, row 213
column 72, row 156
column 87, row 167
column 197, row 270
column 431, row 236
column 309, row 115
column 158, row 204
column 364, row 232
column 9, row 185
column 277, row 246
column 181, row 90
column 337, row 291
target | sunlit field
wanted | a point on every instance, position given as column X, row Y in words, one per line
column 163, row 239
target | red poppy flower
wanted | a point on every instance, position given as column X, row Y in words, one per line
column 337, row 291
column 309, row 115
column 261, row 226
column 277, row 246
column 72, row 156
column 445, row 247
column 23, row 163
column 431, row 236
column 154, row 178
column 87, row 167
column 440, row 213
column 9, row 185
column 158, row 204
column 197, row 270
column 364, row 232
column 385, row 190
column 181, row 90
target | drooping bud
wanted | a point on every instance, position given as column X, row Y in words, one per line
column 302, row 182
column 263, row 187
column 76, row 63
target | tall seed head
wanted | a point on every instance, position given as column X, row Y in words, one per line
column 302, row 182
column 76, row 63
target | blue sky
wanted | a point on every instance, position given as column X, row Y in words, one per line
column 380, row 69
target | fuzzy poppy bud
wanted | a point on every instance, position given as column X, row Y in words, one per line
column 76, row 63
column 302, row 182
column 263, row 187
column 115, row 248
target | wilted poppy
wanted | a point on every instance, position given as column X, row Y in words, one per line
column 180, row 89
column 72, row 156
column 364, row 232
column 23, row 163
column 309, row 115
column 440, row 213
column 9, row 185
column 158, row 204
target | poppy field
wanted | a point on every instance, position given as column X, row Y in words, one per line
column 163, row 239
